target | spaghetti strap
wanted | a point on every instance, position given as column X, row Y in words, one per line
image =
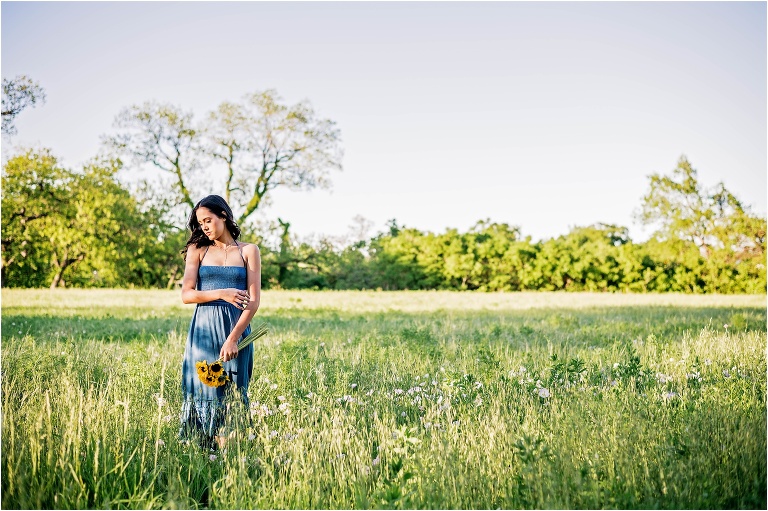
column 204, row 253
column 240, row 249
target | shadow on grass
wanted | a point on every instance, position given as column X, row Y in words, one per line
column 596, row 326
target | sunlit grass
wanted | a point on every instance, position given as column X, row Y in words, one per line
column 394, row 400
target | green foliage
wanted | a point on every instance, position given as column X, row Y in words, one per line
column 86, row 227
column 79, row 228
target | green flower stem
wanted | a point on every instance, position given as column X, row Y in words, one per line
column 256, row 333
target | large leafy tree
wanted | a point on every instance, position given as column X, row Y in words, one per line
column 261, row 143
column 35, row 188
column 273, row 145
column 683, row 209
column 19, row 93
column 79, row 227
column 164, row 136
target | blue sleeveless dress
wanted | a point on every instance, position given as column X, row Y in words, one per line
column 205, row 410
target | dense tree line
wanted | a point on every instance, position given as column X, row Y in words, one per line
column 83, row 228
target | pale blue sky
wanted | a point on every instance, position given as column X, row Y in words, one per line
column 545, row 115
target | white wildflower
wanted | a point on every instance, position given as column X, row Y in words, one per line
column 543, row 392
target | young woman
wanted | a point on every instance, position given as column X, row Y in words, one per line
column 223, row 277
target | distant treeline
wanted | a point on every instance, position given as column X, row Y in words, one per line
column 492, row 257
column 85, row 229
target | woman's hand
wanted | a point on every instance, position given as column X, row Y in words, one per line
column 228, row 350
column 237, row 297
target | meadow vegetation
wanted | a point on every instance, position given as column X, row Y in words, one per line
column 394, row 400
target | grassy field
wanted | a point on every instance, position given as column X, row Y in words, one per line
column 394, row 400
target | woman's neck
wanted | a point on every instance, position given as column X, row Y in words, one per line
column 224, row 241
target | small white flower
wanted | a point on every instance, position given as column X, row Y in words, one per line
column 726, row 373
column 310, row 395
column 669, row 395
column 369, row 393
column 322, row 344
column 273, row 386
column 281, row 398
column 615, row 365
column 398, row 391
column 160, row 442
column 543, row 392
column 708, row 362
column 212, row 457
column 273, row 434
column 354, row 385
column 726, row 326
column 251, row 437
column 375, row 461
column 402, row 414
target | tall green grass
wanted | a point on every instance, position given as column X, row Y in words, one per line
column 394, row 400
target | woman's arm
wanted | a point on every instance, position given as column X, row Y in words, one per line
column 253, row 269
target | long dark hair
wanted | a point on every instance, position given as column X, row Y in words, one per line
column 219, row 207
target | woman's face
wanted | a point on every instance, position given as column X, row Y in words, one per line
column 213, row 226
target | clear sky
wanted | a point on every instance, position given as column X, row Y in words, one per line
column 544, row 115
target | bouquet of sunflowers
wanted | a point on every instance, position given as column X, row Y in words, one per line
column 214, row 375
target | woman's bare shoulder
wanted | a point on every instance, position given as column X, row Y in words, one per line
column 194, row 252
column 252, row 248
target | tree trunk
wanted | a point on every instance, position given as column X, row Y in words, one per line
column 62, row 266
column 172, row 280
column 284, row 248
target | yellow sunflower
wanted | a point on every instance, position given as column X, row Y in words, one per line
column 202, row 369
column 216, row 369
